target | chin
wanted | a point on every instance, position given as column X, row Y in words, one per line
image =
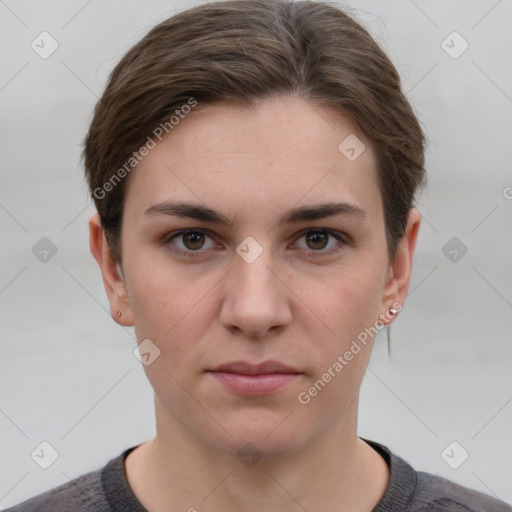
column 262, row 434
column 258, row 447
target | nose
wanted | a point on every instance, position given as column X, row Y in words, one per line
column 256, row 302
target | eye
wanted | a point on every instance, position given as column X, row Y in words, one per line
column 317, row 240
column 196, row 242
column 190, row 242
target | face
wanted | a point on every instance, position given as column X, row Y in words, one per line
column 250, row 238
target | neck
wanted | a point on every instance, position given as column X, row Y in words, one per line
column 337, row 471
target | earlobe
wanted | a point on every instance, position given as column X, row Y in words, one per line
column 112, row 274
column 400, row 271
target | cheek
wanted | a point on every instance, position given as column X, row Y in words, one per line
column 169, row 306
column 164, row 314
column 149, row 300
column 351, row 309
column 151, row 287
column 355, row 298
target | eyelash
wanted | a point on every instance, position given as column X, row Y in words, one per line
column 199, row 253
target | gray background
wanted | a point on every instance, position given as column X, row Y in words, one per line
column 68, row 375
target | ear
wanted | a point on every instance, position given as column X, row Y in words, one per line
column 400, row 270
column 112, row 273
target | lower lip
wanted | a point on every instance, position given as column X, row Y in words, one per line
column 255, row 385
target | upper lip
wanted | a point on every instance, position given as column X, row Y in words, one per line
column 246, row 368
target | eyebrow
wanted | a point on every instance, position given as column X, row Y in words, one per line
column 292, row 216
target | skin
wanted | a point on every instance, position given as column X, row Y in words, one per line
column 295, row 303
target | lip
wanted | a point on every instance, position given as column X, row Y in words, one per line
column 250, row 379
column 246, row 368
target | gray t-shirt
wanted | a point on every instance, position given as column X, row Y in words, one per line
column 107, row 490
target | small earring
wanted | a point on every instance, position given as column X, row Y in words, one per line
column 119, row 313
column 392, row 312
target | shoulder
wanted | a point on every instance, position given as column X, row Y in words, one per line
column 82, row 494
column 435, row 493
column 417, row 491
column 103, row 490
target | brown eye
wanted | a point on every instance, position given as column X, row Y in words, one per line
column 190, row 243
column 317, row 240
column 193, row 240
column 321, row 241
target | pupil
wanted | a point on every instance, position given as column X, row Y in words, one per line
column 193, row 240
column 316, row 238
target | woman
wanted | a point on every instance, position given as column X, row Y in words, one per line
column 254, row 166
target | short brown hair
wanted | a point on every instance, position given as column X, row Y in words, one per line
column 241, row 51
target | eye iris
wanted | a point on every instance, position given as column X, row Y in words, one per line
column 316, row 238
column 193, row 240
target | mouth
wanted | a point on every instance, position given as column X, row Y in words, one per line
column 255, row 379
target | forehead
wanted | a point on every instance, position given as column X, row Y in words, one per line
column 286, row 151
